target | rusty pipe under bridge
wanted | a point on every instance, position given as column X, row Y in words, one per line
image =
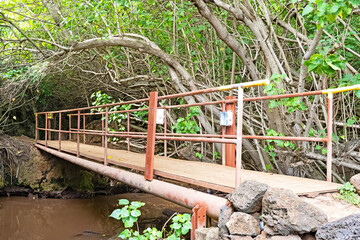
column 186, row 197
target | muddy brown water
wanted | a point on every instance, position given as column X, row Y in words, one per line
column 78, row 219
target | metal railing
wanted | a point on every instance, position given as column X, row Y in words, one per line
column 230, row 138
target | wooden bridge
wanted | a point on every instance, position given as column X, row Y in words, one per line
column 175, row 179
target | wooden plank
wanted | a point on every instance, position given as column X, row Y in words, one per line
column 208, row 175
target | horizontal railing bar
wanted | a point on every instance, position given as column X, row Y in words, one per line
column 217, row 89
column 100, row 106
column 305, row 139
column 199, row 136
column 289, row 95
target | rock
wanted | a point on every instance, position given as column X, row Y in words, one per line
column 355, row 180
column 335, row 209
column 207, row 233
column 243, row 224
column 289, row 237
column 308, row 236
column 237, row 237
column 262, row 236
column 347, row 228
column 224, row 217
column 248, row 196
column 284, row 213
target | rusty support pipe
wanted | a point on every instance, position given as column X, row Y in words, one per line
column 329, row 138
column 181, row 195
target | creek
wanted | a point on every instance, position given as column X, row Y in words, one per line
column 24, row 218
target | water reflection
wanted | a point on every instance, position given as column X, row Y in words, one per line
column 28, row 219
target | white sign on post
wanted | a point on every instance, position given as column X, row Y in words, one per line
column 226, row 118
column 160, row 116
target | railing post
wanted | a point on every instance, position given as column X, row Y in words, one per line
column 329, row 138
column 78, row 135
column 36, row 128
column 59, row 131
column 151, row 132
column 69, row 126
column 165, row 130
column 84, row 140
column 231, row 130
column 223, row 149
column 46, row 129
column 128, row 129
column 239, row 136
column 106, row 134
column 102, row 130
column 49, row 126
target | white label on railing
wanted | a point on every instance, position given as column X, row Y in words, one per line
column 160, row 116
column 226, row 118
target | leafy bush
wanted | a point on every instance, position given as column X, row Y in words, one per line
column 348, row 194
column 129, row 214
column 187, row 125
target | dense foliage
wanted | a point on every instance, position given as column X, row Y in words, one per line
column 56, row 53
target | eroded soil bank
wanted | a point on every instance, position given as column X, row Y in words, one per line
column 25, row 170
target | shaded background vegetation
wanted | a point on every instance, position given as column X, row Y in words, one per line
column 54, row 54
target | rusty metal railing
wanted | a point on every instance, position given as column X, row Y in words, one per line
column 230, row 138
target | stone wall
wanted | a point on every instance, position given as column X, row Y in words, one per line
column 255, row 211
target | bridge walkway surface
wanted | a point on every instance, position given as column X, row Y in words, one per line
column 203, row 174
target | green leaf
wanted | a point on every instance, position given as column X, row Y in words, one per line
column 176, row 225
column 136, row 204
column 308, row 9
column 123, row 202
column 125, row 234
column 135, row 213
column 116, row 214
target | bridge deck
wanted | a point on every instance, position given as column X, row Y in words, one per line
column 208, row 175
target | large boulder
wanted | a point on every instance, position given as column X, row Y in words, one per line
column 207, row 233
column 284, row 213
column 248, row 196
column 224, row 217
column 243, row 224
column 355, row 180
column 347, row 228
